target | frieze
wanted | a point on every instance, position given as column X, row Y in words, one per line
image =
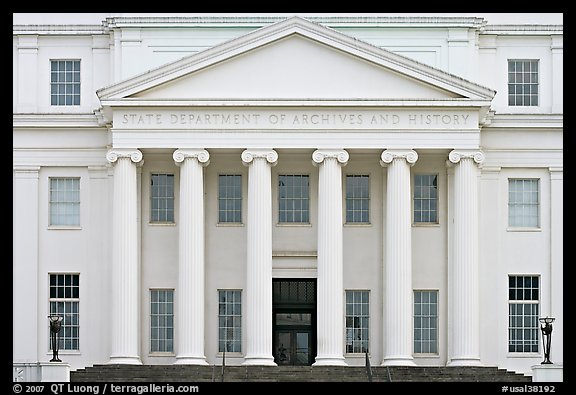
column 294, row 119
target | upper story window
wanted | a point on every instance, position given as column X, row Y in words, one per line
column 523, row 203
column 293, row 196
column 64, row 201
column 162, row 198
column 522, row 82
column 357, row 199
column 229, row 198
column 426, row 198
column 65, row 82
column 65, row 302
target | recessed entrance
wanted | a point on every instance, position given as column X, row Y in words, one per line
column 294, row 322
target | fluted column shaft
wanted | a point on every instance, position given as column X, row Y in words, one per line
column 125, row 272
column 463, row 271
column 330, row 295
column 398, row 320
column 190, row 293
column 259, row 257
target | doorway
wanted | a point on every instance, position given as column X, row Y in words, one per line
column 294, row 321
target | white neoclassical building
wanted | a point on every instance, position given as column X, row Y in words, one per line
column 289, row 190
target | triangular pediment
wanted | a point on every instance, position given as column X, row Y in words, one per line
column 295, row 60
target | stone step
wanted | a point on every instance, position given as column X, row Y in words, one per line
column 188, row 373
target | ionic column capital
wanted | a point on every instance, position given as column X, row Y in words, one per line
column 389, row 155
column 202, row 155
column 134, row 154
column 250, row 154
column 455, row 155
column 319, row 155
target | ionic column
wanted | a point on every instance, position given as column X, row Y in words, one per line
column 190, row 292
column 463, row 297
column 330, row 298
column 259, row 257
column 398, row 325
column 125, row 273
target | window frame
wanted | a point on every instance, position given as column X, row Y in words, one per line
column 238, row 341
column 151, row 197
column 78, row 203
column 62, row 340
column 524, row 85
column 58, row 84
column 538, row 205
column 360, row 316
column 523, row 302
column 368, row 199
column 241, row 199
column 428, row 328
column 150, row 337
column 413, row 199
column 307, row 199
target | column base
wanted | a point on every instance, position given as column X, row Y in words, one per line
column 330, row 361
column 190, row 361
column 258, row 361
column 125, row 361
column 398, row 361
column 465, row 362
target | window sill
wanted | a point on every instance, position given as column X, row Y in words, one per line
column 426, row 356
column 64, row 227
column 294, row 224
column 65, row 352
column 230, row 224
column 161, row 354
column 230, row 354
column 356, row 355
column 162, row 224
column 358, row 225
column 524, row 355
column 523, row 229
column 425, row 225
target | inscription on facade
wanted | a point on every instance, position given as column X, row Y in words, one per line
column 291, row 119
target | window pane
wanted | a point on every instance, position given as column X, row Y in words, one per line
column 229, row 321
column 523, row 203
column 293, row 198
column 523, row 317
column 161, row 320
column 425, row 321
column 357, row 321
column 357, row 198
column 162, row 198
column 425, row 198
column 63, row 297
column 523, row 82
column 64, row 201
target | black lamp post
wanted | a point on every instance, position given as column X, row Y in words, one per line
column 55, row 326
column 546, row 328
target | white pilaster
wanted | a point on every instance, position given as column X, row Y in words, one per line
column 125, row 279
column 398, row 324
column 25, row 263
column 259, row 257
column 190, row 292
column 463, row 291
column 330, row 322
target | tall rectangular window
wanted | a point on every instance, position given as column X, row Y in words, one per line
column 426, row 322
column 64, row 201
column 522, row 82
column 162, row 198
column 357, row 319
column 293, row 195
column 426, row 198
column 523, row 203
column 229, row 198
column 229, row 321
column 65, row 82
column 523, row 299
column 65, row 302
column 357, row 199
column 161, row 320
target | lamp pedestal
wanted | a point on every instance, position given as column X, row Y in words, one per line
column 547, row 373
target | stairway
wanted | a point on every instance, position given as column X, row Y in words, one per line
column 191, row 373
